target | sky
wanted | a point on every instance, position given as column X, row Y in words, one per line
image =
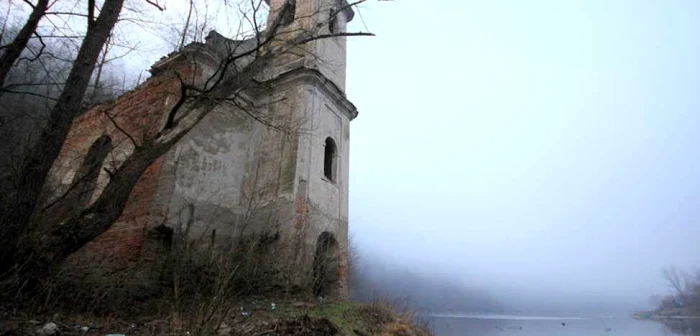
column 544, row 148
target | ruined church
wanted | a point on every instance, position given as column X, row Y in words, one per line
column 281, row 171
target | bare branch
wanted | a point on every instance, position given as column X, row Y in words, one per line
column 68, row 14
column 37, row 54
column 675, row 278
column 28, row 94
column 186, row 26
column 116, row 125
column 156, row 5
column 170, row 121
column 15, row 49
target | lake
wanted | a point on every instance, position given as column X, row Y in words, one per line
column 491, row 324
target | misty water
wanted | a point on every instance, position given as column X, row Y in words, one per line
column 491, row 324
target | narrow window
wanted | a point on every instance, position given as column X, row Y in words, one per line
column 333, row 21
column 90, row 169
column 329, row 159
column 289, row 11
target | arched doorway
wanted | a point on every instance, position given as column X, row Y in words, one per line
column 326, row 265
column 79, row 193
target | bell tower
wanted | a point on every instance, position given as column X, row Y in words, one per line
column 316, row 17
column 310, row 85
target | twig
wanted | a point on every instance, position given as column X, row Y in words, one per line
column 133, row 141
column 156, row 5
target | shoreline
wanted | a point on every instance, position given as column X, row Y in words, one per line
column 652, row 316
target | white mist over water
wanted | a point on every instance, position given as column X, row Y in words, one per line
column 499, row 324
column 507, row 317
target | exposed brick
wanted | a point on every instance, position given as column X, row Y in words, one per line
column 139, row 113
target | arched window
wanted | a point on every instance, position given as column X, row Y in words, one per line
column 329, row 159
column 90, row 169
column 290, row 14
column 83, row 185
column 333, row 21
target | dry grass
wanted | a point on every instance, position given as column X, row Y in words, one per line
column 289, row 318
column 394, row 317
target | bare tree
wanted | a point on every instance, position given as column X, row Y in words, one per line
column 186, row 26
column 678, row 280
column 18, row 203
column 38, row 77
column 685, row 299
column 13, row 50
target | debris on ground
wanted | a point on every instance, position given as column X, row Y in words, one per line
column 48, row 329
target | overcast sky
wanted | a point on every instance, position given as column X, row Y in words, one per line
column 529, row 145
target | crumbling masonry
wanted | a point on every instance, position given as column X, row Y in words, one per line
column 237, row 173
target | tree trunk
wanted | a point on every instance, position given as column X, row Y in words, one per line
column 82, row 228
column 15, row 49
column 100, row 66
column 18, row 204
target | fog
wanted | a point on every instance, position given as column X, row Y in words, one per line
column 540, row 156
column 544, row 152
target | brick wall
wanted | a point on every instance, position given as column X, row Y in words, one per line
column 139, row 113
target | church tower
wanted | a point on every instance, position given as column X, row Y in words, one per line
column 317, row 17
column 311, row 83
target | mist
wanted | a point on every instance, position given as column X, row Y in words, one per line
column 535, row 157
column 542, row 152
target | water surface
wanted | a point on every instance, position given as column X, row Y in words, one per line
column 492, row 324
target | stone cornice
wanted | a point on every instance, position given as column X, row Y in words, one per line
column 310, row 76
column 290, row 74
column 198, row 52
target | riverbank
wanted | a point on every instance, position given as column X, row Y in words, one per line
column 255, row 317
